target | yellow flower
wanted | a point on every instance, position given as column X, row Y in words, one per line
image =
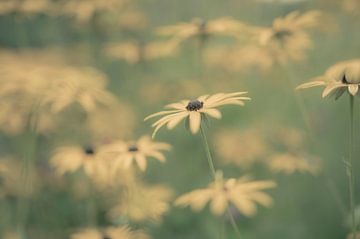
column 91, row 160
column 287, row 38
column 122, row 232
column 134, row 52
column 242, row 193
column 24, row 7
column 289, row 163
column 195, row 110
column 126, row 152
column 225, row 26
column 85, row 86
column 143, row 202
column 253, row 146
column 337, row 79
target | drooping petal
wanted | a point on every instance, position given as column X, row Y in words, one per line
column 353, row 89
column 195, row 121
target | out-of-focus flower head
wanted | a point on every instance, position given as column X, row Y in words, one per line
column 124, row 153
column 239, row 58
column 289, row 154
column 11, row 178
column 43, row 88
column 143, row 203
column 240, row 147
column 194, row 111
column 201, row 29
column 24, row 7
column 92, row 160
column 122, row 232
column 11, row 235
column 288, row 37
column 290, row 163
column 241, row 193
column 134, row 52
column 339, row 78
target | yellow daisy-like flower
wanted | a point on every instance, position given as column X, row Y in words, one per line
column 142, row 202
column 122, row 232
column 290, row 163
column 195, row 110
column 337, row 79
column 242, row 193
column 69, row 159
column 127, row 152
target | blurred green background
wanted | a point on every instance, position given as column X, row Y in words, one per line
column 304, row 205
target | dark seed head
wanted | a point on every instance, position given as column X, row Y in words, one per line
column 344, row 80
column 89, row 150
column 194, row 105
column 106, row 237
column 133, row 149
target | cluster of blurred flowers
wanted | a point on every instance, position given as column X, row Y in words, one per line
column 281, row 149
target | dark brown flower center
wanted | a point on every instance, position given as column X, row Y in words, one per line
column 133, row 148
column 282, row 35
column 194, row 105
column 106, row 237
column 89, row 150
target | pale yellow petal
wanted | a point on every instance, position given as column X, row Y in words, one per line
column 195, row 122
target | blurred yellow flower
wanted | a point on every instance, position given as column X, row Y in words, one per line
column 288, row 38
column 43, row 88
column 195, row 110
column 24, row 7
column 201, row 29
column 290, row 163
column 85, row 86
column 68, row 159
column 125, row 153
column 240, row 147
column 242, row 193
column 122, row 232
column 337, row 79
column 85, row 10
column 240, row 58
column 134, row 52
column 143, row 202
column 11, row 235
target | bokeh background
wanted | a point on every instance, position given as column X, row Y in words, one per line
column 309, row 203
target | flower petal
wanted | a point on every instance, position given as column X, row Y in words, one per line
column 195, row 121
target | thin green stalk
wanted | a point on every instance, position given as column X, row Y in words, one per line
column 213, row 173
column 24, row 201
column 350, row 171
column 305, row 116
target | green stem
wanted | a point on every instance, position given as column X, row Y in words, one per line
column 305, row 116
column 213, row 173
column 24, row 201
column 350, row 170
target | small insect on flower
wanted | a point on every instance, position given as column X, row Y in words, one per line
column 242, row 193
column 337, row 79
column 196, row 110
column 127, row 152
column 122, row 232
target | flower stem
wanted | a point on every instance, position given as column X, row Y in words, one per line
column 213, row 173
column 350, row 171
column 341, row 205
column 24, row 201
